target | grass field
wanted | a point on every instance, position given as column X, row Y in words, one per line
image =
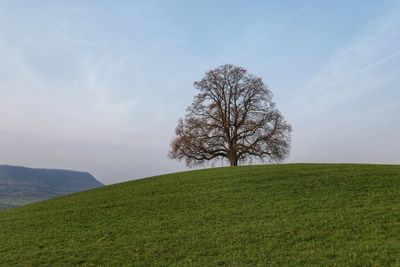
column 282, row 215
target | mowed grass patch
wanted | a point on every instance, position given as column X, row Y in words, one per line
column 293, row 215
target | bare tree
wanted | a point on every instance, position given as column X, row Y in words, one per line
column 232, row 117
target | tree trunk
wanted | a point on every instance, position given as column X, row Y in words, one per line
column 233, row 161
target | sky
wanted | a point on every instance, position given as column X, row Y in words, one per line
column 99, row 86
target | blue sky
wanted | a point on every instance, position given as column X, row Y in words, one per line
column 100, row 85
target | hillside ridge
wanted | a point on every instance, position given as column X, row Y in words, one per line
column 264, row 215
column 22, row 185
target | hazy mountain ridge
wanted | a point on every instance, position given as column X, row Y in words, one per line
column 22, row 185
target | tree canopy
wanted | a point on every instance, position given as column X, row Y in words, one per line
column 232, row 117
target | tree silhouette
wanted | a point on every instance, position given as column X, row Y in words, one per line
column 232, row 117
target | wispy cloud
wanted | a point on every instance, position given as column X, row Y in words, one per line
column 352, row 102
column 81, row 94
column 89, row 84
column 370, row 52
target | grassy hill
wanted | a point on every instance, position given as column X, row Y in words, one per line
column 21, row 185
column 297, row 214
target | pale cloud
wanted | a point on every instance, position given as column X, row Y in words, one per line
column 348, row 110
column 99, row 86
column 88, row 92
column 374, row 48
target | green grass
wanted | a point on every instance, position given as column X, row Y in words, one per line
column 276, row 215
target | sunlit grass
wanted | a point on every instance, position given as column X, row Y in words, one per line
column 297, row 214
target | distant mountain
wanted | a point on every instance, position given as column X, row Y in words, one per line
column 21, row 185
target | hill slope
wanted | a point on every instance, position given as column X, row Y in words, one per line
column 298, row 214
column 21, row 185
